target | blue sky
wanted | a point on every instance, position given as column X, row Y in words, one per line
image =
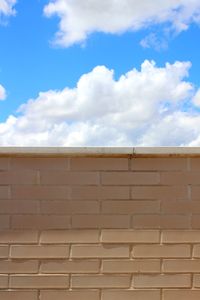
column 69, row 112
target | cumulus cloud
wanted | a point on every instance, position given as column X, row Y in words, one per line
column 7, row 7
column 2, row 93
column 196, row 98
column 143, row 107
column 80, row 18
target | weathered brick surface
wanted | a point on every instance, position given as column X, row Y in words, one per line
column 100, row 228
column 4, row 163
column 19, row 295
column 101, row 221
column 98, row 164
column 40, row 221
column 162, row 281
column 3, row 281
column 39, row 281
column 181, row 294
column 181, row 266
column 101, row 281
column 130, row 294
column 18, row 177
column 19, row 237
column 130, row 236
column 180, row 236
column 131, row 266
column 157, row 251
column 19, row 207
column 19, row 267
column 69, row 236
column 70, row 295
column 4, row 192
column 100, row 192
column 33, row 251
column 100, row 251
column 44, row 163
column 4, row 221
column 130, row 178
column 39, row 192
column 70, row 266
column 159, row 164
column 4, row 251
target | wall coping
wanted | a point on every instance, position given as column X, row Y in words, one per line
column 100, row 151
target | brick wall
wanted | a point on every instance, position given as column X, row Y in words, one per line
column 99, row 228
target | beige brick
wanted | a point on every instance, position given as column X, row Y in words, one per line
column 196, row 251
column 159, row 164
column 70, row 266
column 4, row 251
column 39, row 192
column 131, row 266
column 70, row 207
column 3, row 281
column 18, row 207
column 180, row 178
column 39, row 281
column 195, row 221
column 100, row 281
column 181, row 294
column 130, row 207
column 180, row 236
column 39, row 163
column 130, row 236
column 73, row 178
column 160, row 192
column 158, row 251
column 30, row 266
column 114, row 192
column 130, row 178
column 195, row 192
column 44, row 252
column 85, row 192
column 4, row 192
column 98, row 251
column 181, row 266
column 18, row 177
column 40, row 222
column 19, row 295
column 100, row 221
column 100, row 192
column 195, row 163
column 16, row 236
column 162, row 281
column 4, row 163
column 180, row 207
column 69, row 236
column 70, row 295
column 161, row 221
column 98, row 164
column 196, row 280
column 130, row 295
column 4, row 222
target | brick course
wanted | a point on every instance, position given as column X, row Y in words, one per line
column 100, row 228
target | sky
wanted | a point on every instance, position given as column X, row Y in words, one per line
column 99, row 73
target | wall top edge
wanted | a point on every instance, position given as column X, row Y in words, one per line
column 100, row 151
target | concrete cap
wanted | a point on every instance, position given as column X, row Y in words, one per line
column 100, row 151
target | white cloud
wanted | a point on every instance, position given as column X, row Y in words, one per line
column 143, row 107
column 153, row 41
column 7, row 7
column 196, row 98
column 80, row 18
column 2, row 93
